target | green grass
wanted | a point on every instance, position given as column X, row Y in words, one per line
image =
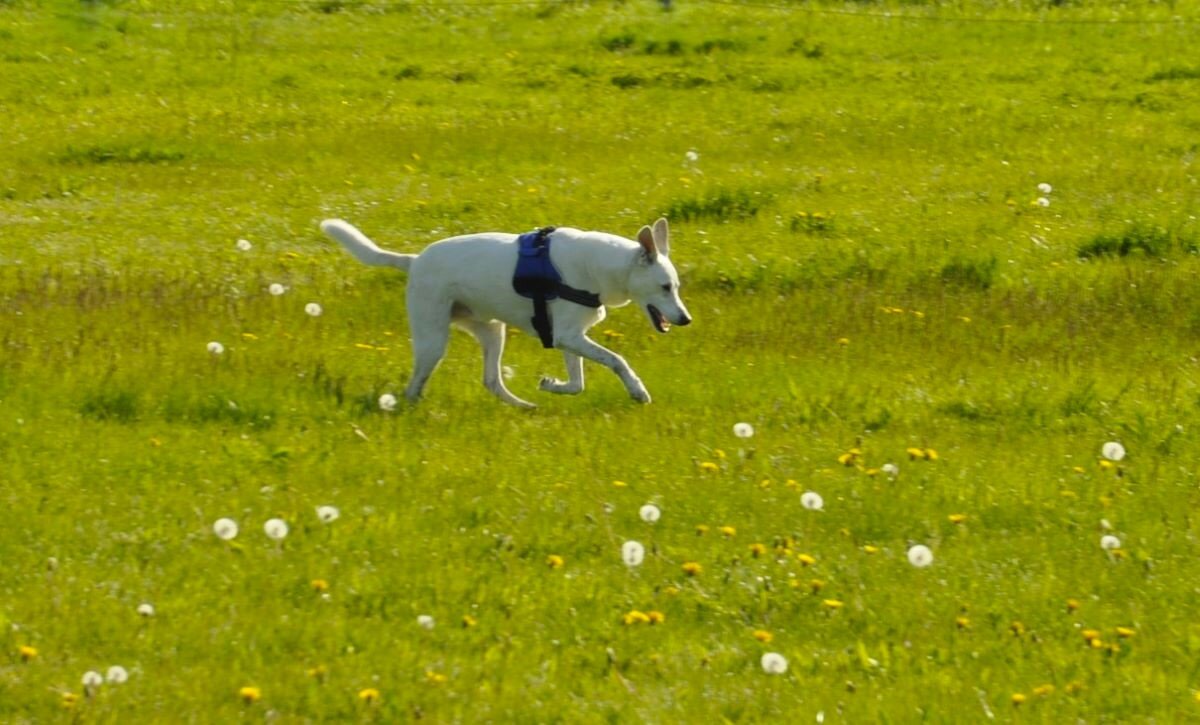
column 868, row 269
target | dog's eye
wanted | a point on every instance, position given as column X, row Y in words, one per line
column 666, row 288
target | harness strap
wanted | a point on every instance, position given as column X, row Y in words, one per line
column 537, row 279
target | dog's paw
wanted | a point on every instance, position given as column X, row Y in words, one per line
column 553, row 385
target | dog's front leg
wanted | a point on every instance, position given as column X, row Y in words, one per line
column 582, row 346
column 574, row 382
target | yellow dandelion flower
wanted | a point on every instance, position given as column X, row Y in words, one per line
column 27, row 653
column 69, row 699
column 635, row 617
column 870, row 549
column 318, row 672
column 249, row 336
column 792, row 483
column 554, row 561
column 833, row 603
column 1126, row 632
column 692, row 568
column 846, row 459
column 670, row 591
column 872, row 472
column 1072, row 605
column 914, row 453
column 1114, row 648
column 468, row 621
column 1107, row 465
column 765, row 483
column 1096, row 643
column 728, row 531
column 320, row 585
column 1079, row 469
column 250, row 694
column 757, row 550
column 720, row 454
column 816, row 585
column 918, row 314
column 709, row 467
column 369, row 695
column 806, row 559
column 1017, row 628
column 613, row 334
column 930, row 454
column 1018, row 698
column 1043, row 690
column 656, row 617
column 964, row 318
column 957, row 518
column 962, row 622
column 763, row 635
column 620, row 484
column 701, row 529
column 843, row 341
column 436, row 678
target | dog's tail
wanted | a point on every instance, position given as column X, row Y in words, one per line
column 363, row 249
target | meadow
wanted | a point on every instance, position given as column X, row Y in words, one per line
column 958, row 238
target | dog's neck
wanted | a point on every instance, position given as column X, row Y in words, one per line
column 597, row 262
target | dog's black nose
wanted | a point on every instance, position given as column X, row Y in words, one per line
column 684, row 321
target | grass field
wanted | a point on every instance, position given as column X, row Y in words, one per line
column 853, row 191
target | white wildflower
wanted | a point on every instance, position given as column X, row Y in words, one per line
column 632, row 553
column 649, row 513
column 226, row 529
column 812, row 501
column 774, row 663
column 276, row 529
column 920, row 556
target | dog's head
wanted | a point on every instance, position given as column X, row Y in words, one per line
column 653, row 281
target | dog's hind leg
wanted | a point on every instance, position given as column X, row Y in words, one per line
column 429, row 324
column 491, row 338
column 574, row 382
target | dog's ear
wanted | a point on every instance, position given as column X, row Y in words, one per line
column 662, row 237
column 646, row 239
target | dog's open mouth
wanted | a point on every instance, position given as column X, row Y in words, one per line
column 659, row 320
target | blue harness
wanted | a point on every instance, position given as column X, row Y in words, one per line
column 537, row 279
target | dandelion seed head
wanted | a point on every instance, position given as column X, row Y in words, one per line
column 812, row 501
column 424, row 621
column 313, row 309
column 215, row 347
column 387, row 402
column 244, row 245
column 226, row 529
column 649, row 513
column 1042, row 201
column 633, row 553
column 743, row 430
column 117, row 675
column 890, row 469
column 692, row 156
column 91, row 679
column 145, row 609
column 1044, row 188
column 920, row 556
column 328, row 514
column 774, row 663
column 276, row 289
column 276, row 529
column 1112, row 451
column 1108, row 542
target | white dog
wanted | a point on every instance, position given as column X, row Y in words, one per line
column 468, row 281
